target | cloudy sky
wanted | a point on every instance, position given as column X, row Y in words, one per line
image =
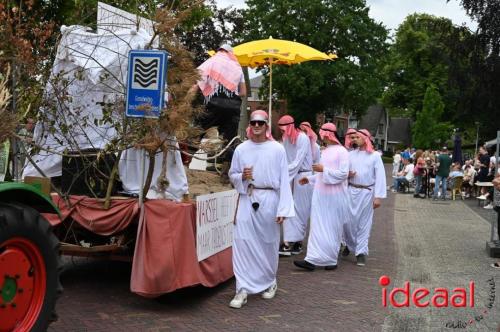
column 392, row 12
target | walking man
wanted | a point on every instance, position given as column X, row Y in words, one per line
column 299, row 156
column 367, row 187
column 330, row 207
column 313, row 138
column 443, row 164
column 259, row 172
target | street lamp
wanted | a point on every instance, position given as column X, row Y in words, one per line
column 477, row 137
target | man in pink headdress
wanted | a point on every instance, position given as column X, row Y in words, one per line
column 313, row 138
column 330, row 205
column 367, row 187
column 259, row 172
column 222, row 84
column 299, row 156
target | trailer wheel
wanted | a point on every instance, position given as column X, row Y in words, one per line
column 29, row 269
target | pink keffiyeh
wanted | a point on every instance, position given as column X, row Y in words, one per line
column 348, row 133
column 368, row 140
column 328, row 130
column 286, row 122
column 221, row 70
column 259, row 115
column 312, row 136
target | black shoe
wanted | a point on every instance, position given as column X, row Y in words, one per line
column 297, row 248
column 360, row 260
column 285, row 250
column 416, row 195
column 330, row 267
column 346, row 252
column 304, row 265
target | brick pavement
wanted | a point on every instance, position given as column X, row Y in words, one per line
column 97, row 297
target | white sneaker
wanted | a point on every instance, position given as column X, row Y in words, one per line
column 482, row 197
column 240, row 299
column 270, row 292
column 489, row 206
column 394, row 190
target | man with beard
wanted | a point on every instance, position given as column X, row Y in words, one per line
column 259, row 172
column 367, row 187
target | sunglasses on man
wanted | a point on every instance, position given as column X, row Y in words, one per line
column 256, row 123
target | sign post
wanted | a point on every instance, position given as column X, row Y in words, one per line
column 146, row 83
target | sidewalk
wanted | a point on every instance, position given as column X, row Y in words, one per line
column 442, row 244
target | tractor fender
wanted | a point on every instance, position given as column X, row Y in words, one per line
column 27, row 195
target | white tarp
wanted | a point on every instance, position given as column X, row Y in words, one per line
column 92, row 69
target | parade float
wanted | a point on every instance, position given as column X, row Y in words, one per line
column 116, row 163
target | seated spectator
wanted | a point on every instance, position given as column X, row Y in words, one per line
column 405, row 176
column 469, row 174
column 456, row 171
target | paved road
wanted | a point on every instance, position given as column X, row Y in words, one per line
column 430, row 244
column 442, row 244
column 97, row 297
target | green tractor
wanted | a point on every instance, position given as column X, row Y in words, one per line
column 29, row 259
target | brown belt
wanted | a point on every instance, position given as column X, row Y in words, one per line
column 361, row 186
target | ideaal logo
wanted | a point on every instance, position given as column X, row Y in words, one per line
column 438, row 298
column 422, row 297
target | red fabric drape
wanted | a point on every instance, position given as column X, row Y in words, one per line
column 165, row 253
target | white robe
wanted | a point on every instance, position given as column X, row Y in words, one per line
column 330, row 207
column 256, row 234
column 299, row 156
column 316, row 154
column 370, row 171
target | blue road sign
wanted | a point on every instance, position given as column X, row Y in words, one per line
column 146, row 77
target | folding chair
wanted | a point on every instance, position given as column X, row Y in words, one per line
column 457, row 187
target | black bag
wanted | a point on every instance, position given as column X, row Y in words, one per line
column 224, row 102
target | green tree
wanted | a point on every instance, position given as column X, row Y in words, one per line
column 485, row 66
column 428, row 50
column 220, row 26
column 429, row 130
column 350, row 83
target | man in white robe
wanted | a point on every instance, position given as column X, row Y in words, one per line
column 313, row 139
column 259, row 172
column 299, row 156
column 367, row 187
column 330, row 206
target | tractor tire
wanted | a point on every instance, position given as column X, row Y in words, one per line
column 30, row 266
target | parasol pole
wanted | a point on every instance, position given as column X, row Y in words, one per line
column 270, row 93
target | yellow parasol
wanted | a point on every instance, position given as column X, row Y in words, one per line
column 276, row 51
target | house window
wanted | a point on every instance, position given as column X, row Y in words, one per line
column 381, row 128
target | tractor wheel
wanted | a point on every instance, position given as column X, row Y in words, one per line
column 29, row 269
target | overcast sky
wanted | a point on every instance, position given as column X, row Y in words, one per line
column 392, row 12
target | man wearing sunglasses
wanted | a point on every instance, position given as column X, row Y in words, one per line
column 299, row 156
column 259, row 172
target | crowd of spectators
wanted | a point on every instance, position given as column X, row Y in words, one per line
column 432, row 173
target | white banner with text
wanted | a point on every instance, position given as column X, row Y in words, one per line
column 215, row 214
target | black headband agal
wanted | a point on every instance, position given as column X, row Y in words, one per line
column 285, row 124
column 332, row 131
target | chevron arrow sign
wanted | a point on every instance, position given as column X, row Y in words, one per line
column 146, row 78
